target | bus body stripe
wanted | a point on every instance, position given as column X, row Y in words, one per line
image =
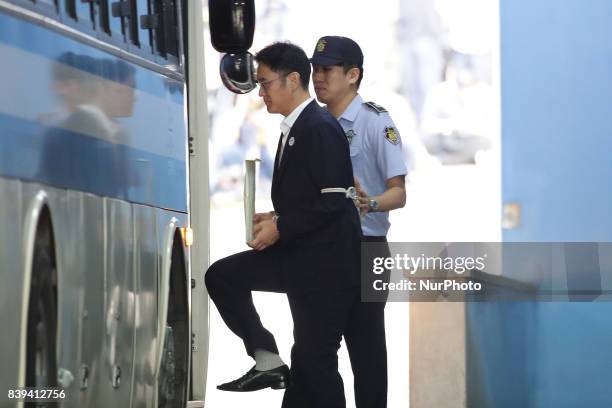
column 44, row 42
column 65, row 159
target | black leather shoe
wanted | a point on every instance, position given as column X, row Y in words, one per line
column 253, row 380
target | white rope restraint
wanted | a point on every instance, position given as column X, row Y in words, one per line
column 350, row 192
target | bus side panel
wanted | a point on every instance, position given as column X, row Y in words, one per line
column 77, row 220
column 100, row 319
column 108, row 265
column 91, row 244
column 11, row 275
column 146, row 336
column 120, row 278
column 164, row 221
column 67, row 216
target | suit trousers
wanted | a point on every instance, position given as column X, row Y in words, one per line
column 365, row 338
column 319, row 320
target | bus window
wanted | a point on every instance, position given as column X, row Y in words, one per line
column 118, row 11
column 50, row 3
column 80, row 11
column 157, row 24
column 84, row 12
column 131, row 19
column 169, row 17
column 69, row 5
column 48, row 8
column 104, row 17
column 144, row 34
column 126, row 11
column 164, row 21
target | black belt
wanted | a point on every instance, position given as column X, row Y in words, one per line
column 373, row 238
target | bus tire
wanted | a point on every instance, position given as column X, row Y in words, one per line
column 173, row 381
column 41, row 354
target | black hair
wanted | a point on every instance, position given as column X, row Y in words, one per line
column 70, row 66
column 78, row 67
column 124, row 72
column 347, row 66
column 285, row 58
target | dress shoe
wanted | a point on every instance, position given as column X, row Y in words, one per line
column 253, row 380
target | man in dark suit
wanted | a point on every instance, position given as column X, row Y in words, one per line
column 309, row 247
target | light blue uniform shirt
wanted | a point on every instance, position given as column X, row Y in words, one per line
column 376, row 155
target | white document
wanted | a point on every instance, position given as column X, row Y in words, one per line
column 250, row 178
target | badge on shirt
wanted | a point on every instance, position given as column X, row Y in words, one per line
column 350, row 134
column 391, row 135
column 291, row 141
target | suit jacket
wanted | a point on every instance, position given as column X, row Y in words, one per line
column 320, row 234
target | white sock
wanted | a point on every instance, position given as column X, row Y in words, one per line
column 267, row 360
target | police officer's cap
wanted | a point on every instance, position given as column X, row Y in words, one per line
column 333, row 50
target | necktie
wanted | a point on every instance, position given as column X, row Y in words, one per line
column 281, row 147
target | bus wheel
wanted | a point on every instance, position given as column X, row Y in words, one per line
column 41, row 362
column 173, row 378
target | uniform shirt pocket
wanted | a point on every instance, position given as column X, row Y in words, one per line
column 355, row 149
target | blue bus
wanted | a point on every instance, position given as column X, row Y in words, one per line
column 100, row 166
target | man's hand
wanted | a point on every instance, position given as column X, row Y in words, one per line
column 393, row 197
column 262, row 217
column 266, row 234
column 362, row 197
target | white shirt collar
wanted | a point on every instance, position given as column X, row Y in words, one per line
column 290, row 119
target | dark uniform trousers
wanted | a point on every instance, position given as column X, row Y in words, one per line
column 320, row 318
column 365, row 335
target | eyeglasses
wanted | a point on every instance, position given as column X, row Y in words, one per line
column 265, row 85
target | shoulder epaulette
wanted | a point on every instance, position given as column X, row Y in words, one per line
column 376, row 107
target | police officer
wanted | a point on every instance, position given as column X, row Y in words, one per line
column 379, row 169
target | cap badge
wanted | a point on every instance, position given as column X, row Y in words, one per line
column 391, row 135
column 291, row 141
column 321, row 45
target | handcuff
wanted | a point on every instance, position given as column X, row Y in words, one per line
column 350, row 192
